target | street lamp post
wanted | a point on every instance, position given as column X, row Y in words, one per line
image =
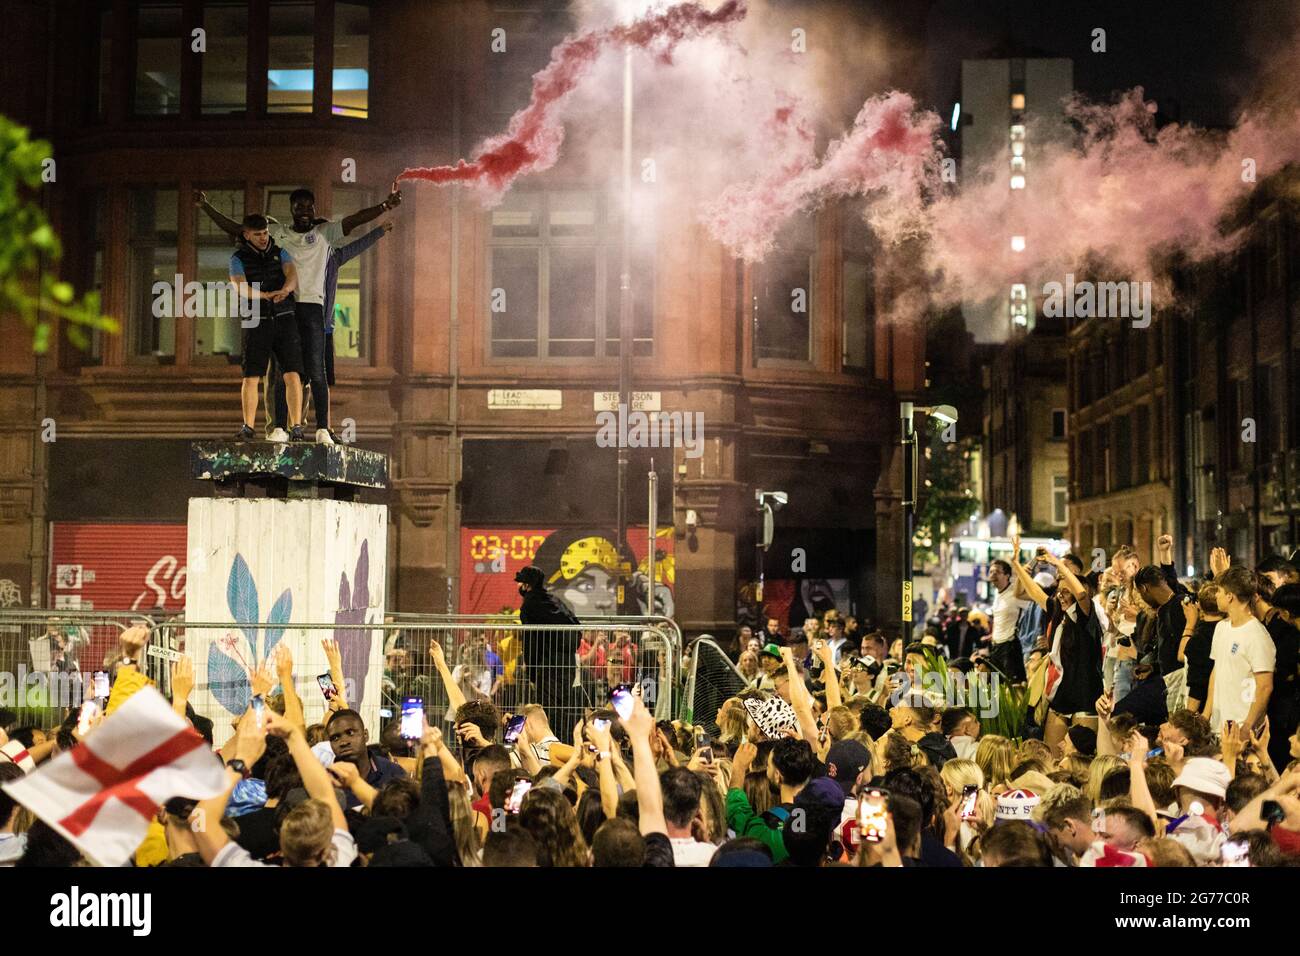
column 906, row 411
column 625, row 334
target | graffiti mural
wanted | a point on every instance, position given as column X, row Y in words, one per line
column 580, row 565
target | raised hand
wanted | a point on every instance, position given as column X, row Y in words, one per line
column 435, row 652
column 133, row 640
column 283, row 658
column 1219, row 561
column 333, row 655
column 182, row 679
column 263, row 680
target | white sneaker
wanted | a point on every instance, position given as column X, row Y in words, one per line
column 323, row 437
column 278, row 434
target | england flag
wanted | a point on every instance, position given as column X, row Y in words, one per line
column 102, row 794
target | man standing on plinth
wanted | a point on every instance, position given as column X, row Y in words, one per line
column 309, row 241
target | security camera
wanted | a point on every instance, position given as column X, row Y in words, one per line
column 773, row 499
column 692, row 519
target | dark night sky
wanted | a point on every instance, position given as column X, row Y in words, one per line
column 1196, row 58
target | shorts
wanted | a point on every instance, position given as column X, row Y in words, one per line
column 272, row 336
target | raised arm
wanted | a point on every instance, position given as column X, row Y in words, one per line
column 1139, row 794
column 353, row 249
column 1025, row 585
column 455, row 695
column 363, row 216
column 284, row 671
column 335, row 659
column 350, row 779
column 605, row 770
column 832, row 677
column 800, row 699
column 1066, row 576
column 649, row 797
column 223, row 222
column 182, row 684
column 315, row 779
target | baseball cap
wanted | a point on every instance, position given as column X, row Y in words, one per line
column 1204, row 775
column 844, row 761
column 771, row 650
column 822, row 792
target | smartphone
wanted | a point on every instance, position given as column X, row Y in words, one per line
column 259, row 710
column 89, row 711
column 621, row 698
column 600, row 723
column 1155, row 753
column 969, row 793
column 514, row 727
column 1235, row 854
column 413, row 718
column 703, row 746
column 873, row 818
column 327, row 686
column 515, row 799
column 102, row 690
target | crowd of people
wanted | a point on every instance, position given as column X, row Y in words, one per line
column 1159, row 729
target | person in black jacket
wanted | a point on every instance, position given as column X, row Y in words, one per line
column 265, row 276
column 548, row 655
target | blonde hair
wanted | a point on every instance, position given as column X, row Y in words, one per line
column 306, row 833
column 1102, row 766
column 840, row 722
column 960, row 773
column 1035, row 750
column 996, row 756
column 469, row 845
column 1076, row 764
column 733, row 720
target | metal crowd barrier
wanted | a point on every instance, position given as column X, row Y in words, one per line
column 46, row 657
column 488, row 657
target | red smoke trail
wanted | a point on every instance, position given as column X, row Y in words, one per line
column 892, row 148
column 1118, row 200
column 532, row 140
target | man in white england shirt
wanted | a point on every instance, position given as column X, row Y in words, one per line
column 1005, row 653
column 1244, row 656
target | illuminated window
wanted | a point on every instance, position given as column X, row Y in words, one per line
column 1017, row 182
column 1019, row 292
column 152, row 258
column 1017, row 101
column 291, row 58
column 1017, row 164
column 1017, row 133
column 1017, row 243
column 1017, row 149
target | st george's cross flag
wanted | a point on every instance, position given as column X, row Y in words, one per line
column 102, row 794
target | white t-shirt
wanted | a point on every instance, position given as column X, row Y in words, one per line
column 688, row 851
column 1239, row 653
column 311, row 253
column 1006, row 614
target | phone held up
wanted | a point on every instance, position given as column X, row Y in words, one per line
column 873, row 814
column 413, row 718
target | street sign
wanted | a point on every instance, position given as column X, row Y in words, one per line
column 907, row 602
